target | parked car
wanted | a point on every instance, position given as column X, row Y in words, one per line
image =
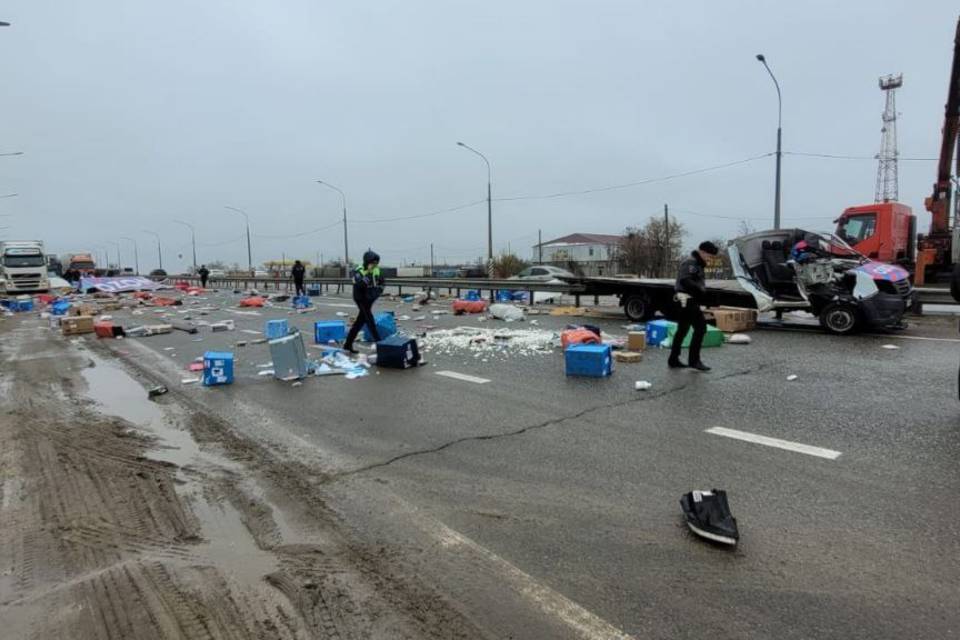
column 158, row 274
column 834, row 282
column 543, row 273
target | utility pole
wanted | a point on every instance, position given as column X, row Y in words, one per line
column 540, row 246
column 666, row 243
column 431, row 259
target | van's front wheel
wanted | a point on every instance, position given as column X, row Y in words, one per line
column 839, row 318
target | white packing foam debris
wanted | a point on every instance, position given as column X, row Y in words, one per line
column 890, row 346
column 791, row 377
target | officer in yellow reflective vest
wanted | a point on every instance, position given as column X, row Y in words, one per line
column 367, row 287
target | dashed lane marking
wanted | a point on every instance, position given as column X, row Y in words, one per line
column 462, row 376
column 796, row 447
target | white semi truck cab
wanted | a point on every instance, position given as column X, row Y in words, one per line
column 23, row 267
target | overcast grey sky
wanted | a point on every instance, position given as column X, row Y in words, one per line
column 132, row 113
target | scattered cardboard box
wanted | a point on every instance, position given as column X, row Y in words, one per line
column 627, row 356
column 76, row 325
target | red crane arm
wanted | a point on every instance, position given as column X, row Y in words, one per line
column 938, row 203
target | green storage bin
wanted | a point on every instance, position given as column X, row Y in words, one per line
column 713, row 337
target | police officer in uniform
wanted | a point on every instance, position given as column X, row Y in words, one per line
column 690, row 292
column 367, row 287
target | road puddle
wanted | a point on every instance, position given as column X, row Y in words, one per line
column 120, row 395
column 229, row 544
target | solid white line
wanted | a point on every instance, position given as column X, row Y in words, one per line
column 462, row 376
column 584, row 623
column 829, row 454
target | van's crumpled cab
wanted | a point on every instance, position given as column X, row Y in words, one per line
column 793, row 269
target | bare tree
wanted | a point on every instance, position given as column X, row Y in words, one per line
column 652, row 249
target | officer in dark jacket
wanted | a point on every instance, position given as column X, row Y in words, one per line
column 204, row 273
column 690, row 291
column 298, row 271
column 367, row 287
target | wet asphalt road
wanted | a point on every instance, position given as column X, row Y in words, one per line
column 576, row 482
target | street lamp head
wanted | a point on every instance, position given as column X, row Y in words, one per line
column 4, row 24
column 761, row 58
column 461, row 144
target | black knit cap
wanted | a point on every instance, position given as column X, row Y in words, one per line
column 709, row 247
column 370, row 256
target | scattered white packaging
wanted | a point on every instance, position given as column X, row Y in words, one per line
column 791, row 377
column 890, row 346
column 642, row 385
column 189, row 380
column 265, row 372
column 738, row 338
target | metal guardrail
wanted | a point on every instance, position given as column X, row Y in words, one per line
column 927, row 295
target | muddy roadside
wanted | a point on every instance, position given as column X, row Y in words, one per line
column 126, row 518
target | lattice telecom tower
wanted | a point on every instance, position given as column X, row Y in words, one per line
column 888, row 185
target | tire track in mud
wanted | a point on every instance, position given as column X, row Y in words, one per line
column 104, row 542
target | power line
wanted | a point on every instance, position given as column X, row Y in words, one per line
column 833, row 156
column 301, row 233
column 636, row 183
column 419, row 215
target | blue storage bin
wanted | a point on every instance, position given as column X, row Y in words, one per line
column 217, row 368
column 313, row 290
column 22, row 305
column 504, row 296
column 658, row 331
column 276, row 329
column 386, row 326
column 326, row 330
column 301, row 302
column 59, row 307
column 589, row 360
column 520, row 296
column 398, row 352
column 472, row 295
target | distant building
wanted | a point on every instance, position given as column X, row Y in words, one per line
column 588, row 254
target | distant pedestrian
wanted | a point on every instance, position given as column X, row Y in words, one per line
column 204, row 273
column 298, row 271
column 691, row 290
column 367, row 287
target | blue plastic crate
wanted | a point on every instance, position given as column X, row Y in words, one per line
column 22, row 305
column 301, row 302
column 276, row 329
column 589, row 360
column 59, row 307
column 398, row 352
column 472, row 295
column 386, row 326
column 313, row 290
column 504, row 296
column 326, row 330
column 217, row 368
column 658, row 331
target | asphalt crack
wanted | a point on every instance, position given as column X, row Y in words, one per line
column 647, row 397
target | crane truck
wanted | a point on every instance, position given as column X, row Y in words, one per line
column 887, row 231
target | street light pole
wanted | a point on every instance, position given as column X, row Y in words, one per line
column 193, row 240
column 119, row 261
column 776, row 207
column 136, row 254
column 346, row 245
column 249, row 251
column 489, row 210
column 159, row 252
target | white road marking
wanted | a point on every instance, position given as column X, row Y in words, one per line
column 462, row 376
column 819, row 452
column 583, row 622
